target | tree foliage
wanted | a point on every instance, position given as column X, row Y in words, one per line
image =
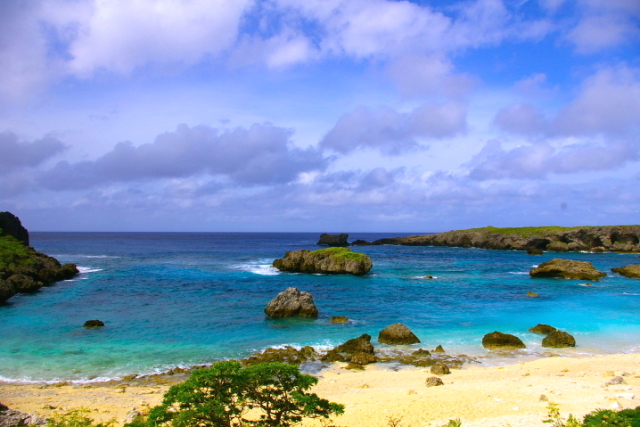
column 227, row 395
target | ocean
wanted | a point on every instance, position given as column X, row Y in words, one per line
column 184, row 299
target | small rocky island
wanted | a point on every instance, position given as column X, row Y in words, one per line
column 620, row 238
column 334, row 260
column 22, row 268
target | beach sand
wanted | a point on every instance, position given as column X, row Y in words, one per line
column 513, row 395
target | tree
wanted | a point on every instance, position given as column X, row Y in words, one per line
column 222, row 395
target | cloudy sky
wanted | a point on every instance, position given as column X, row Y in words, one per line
column 319, row 115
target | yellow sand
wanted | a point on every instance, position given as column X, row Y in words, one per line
column 515, row 395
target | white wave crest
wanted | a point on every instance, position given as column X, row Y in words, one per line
column 85, row 270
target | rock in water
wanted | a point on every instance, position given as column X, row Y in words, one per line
column 291, row 303
column 542, row 329
column 568, row 269
column 500, row 340
column 558, row 339
column 631, row 271
column 328, row 261
column 362, row 344
column 10, row 225
column 397, row 334
column 93, row 324
column 334, row 239
column 339, row 319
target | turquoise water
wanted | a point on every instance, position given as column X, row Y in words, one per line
column 179, row 299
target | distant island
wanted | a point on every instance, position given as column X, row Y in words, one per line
column 615, row 238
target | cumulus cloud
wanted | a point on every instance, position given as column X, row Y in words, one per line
column 392, row 132
column 15, row 155
column 258, row 155
column 537, row 161
column 605, row 24
column 521, row 118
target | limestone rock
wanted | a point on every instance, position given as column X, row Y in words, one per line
column 291, row 303
column 397, row 333
column 362, row 358
column 24, row 283
column 440, row 369
column 334, row 239
column 439, row 349
column 327, row 261
column 631, row 271
column 433, row 382
column 362, row 344
column 558, row 339
column 6, row 291
column 13, row 418
column 288, row 355
column 568, row 269
column 339, row 319
column 542, row 329
column 421, row 352
column 93, row 324
column 500, row 340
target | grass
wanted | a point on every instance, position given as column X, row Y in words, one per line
column 342, row 253
column 527, row 231
column 14, row 254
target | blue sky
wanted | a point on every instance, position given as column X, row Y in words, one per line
column 332, row 115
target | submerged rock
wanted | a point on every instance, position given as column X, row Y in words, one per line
column 568, row 269
column 631, row 271
column 558, row 339
column 328, row 261
column 292, row 303
column 397, row 333
column 499, row 340
column 339, row 319
column 93, row 323
column 339, row 240
column 542, row 329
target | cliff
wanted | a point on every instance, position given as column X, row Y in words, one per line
column 22, row 268
column 621, row 238
column 328, row 261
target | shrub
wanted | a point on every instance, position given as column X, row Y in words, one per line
column 223, row 394
column 75, row 418
column 603, row 417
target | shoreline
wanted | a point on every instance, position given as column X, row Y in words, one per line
column 478, row 395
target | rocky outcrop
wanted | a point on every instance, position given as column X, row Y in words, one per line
column 499, row 340
column 623, row 238
column 631, row 271
column 397, row 334
column 13, row 418
column 339, row 319
column 344, row 352
column 92, row 324
column 338, row 240
column 440, row 368
column 568, row 269
column 23, row 269
column 558, row 339
column 542, row 329
column 10, row 225
column 292, row 303
column 288, row 355
column 327, row 261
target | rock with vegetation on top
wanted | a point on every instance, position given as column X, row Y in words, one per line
column 23, row 269
column 568, row 269
column 292, row 303
column 339, row 240
column 631, row 271
column 329, row 261
column 558, row 339
column 397, row 333
column 10, row 225
column 542, row 329
column 499, row 340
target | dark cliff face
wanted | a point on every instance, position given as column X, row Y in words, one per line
column 600, row 239
column 11, row 226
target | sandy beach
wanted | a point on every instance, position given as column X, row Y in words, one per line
column 513, row 395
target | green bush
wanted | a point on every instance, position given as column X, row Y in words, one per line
column 223, row 394
column 604, row 417
column 342, row 253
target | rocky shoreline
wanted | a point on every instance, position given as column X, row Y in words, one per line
column 620, row 238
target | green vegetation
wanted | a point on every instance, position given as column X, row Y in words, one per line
column 342, row 253
column 14, row 254
column 597, row 418
column 527, row 231
column 272, row 394
column 75, row 418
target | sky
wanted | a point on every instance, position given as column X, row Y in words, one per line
column 319, row 115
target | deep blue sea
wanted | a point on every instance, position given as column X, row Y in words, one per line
column 179, row 299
